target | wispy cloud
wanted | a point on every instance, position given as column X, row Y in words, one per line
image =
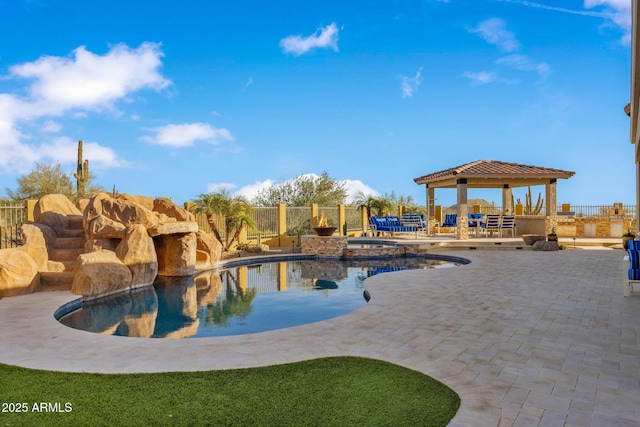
column 482, row 77
column 248, row 83
column 617, row 12
column 185, row 135
column 323, row 38
column 494, row 31
column 409, row 85
column 525, row 63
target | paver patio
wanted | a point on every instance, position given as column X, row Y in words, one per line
column 526, row 338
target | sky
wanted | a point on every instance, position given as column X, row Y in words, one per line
column 180, row 98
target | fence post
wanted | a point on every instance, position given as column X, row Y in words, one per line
column 282, row 223
column 30, row 205
column 342, row 219
column 364, row 217
column 314, row 215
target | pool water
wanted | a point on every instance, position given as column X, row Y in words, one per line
column 239, row 300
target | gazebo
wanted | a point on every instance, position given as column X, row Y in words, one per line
column 493, row 174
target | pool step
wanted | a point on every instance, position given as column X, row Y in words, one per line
column 56, row 280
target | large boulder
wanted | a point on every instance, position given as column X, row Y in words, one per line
column 176, row 227
column 208, row 250
column 98, row 274
column 102, row 227
column 55, row 210
column 144, row 201
column 18, row 273
column 138, row 252
column 35, row 243
column 176, row 254
column 121, row 211
column 166, row 206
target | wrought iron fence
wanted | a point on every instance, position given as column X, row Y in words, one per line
column 353, row 217
column 298, row 221
column 11, row 218
column 266, row 223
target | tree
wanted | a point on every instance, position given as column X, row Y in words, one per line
column 234, row 212
column 303, row 190
column 364, row 201
column 45, row 179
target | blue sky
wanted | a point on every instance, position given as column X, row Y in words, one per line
column 179, row 98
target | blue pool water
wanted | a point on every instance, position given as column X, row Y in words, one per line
column 239, row 300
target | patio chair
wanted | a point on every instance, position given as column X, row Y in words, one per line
column 475, row 221
column 491, row 224
column 450, row 220
column 631, row 266
column 508, row 222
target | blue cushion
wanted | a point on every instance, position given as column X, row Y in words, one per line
column 634, row 258
column 634, row 274
column 634, row 244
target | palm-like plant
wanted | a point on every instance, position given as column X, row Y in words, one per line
column 234, row 211
column 364, row 201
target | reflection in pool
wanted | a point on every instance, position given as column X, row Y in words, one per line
column 239, row 300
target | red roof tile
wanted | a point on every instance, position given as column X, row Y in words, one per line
column 495, row 169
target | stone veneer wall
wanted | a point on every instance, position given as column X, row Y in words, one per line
column 332, row 246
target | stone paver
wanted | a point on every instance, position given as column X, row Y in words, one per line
column 525, row 338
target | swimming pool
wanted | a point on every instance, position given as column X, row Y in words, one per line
column 238, row 300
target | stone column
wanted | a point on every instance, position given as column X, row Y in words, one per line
column 431, row 208
column 551, row 207
column 315, row 215
column 462, row 231
column 507, row 200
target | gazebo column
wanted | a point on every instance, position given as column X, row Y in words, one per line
column 551, row 220
column 431, row 207
column 507, row 200
column 462, row 231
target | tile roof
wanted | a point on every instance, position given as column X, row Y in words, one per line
column 495, row 169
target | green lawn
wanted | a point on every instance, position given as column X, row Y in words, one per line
column 338, row 391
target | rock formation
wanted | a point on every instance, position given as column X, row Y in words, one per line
column 121, row 243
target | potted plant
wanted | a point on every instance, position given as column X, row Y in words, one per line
column 629, row 235
column 552, row 237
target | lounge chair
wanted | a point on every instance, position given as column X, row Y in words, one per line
column 414, row 220
column 508, row 222
column 631, row 266
column 492, row 224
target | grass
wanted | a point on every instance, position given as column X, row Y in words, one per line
column 334, row 391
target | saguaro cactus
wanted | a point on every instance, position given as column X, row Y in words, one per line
column 82, row 174
column 529, row 209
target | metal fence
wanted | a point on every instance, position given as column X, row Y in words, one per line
column 298, row 221
column 353, row 217
column 11, row 218
column 266, row 223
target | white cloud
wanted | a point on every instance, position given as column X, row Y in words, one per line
column 482, row 77
column 65, row 150
column 409, row 85
column 51, row 127
column 213, row 187
column 353, row 186
column 248, row 83
column 525, row 63
column 89, row 81
column 250, row 191
column 494, row 31
column 55, row 86
column 324, row 38
column 187, row 134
